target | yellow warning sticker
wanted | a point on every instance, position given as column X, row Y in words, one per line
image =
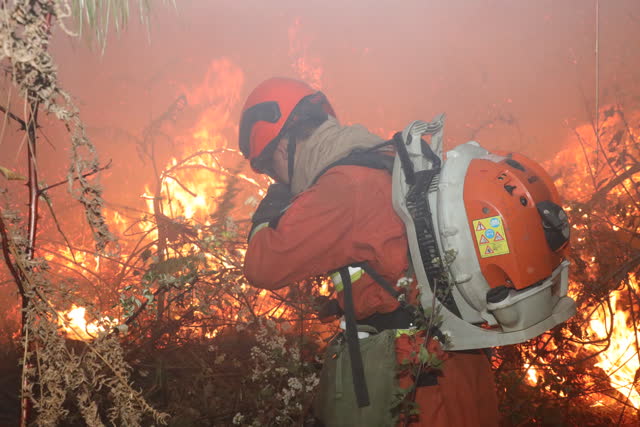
column 490, row 235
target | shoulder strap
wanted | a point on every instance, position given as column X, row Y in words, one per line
column 370, row 158
column 351, row 328
column 353, row 343
column 384, row 284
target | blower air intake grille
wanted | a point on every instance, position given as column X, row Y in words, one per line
column 420, row 211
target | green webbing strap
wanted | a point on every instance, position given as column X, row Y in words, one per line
column 351, row 334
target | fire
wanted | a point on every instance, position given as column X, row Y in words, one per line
column 186, row 193
column 175, row 212
column 598, row 177
column 191, row 182
column 306, row 66
column 74, row 323
column 619, row 359
column 180, row 200
column 532, row 374
column 189, row 186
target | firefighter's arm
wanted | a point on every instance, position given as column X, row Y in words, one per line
column 271, row 208
column 312, row 237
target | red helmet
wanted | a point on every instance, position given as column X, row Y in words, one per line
column 267, row 114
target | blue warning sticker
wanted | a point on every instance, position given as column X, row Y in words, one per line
column 491, row 237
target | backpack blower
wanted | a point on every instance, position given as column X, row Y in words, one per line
column 487, row 237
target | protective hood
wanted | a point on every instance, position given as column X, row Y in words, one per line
column 328, row 144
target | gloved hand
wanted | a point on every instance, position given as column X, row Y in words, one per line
column 272, row 206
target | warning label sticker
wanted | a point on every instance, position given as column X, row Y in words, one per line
column 491, row 237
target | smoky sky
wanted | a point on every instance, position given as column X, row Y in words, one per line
column 514, row 75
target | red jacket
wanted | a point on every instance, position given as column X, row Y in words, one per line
column 346, row 217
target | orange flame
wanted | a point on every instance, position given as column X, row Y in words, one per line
column 74, row 323
column 586, row 168
column 620, row 358
column 306, row 66
column 532, row 374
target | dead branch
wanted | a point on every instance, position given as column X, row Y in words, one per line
column 59, row 228
column 23, row 125
column 586, row 157
column 7, row 258
column 34, row 192
column 93, row 172
column 609, row 163
column 177, row 181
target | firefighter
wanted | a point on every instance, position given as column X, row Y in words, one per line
column 325, row 212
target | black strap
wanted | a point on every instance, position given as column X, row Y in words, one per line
column 427, row 379
column 405, row 160
column 367, row 158
column 400, row 318
column 380, row 145
column 427, row 152
column 353, row 344
column 378, row 278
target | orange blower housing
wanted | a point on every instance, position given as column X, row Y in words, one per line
column 503, row 207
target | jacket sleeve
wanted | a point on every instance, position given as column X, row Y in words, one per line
column 314, row 236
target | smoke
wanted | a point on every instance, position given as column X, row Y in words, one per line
column 508, row 73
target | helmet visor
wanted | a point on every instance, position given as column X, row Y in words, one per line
column 264, row 112
column 264, row 162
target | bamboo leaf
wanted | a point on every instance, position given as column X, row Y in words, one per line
column 100, row 16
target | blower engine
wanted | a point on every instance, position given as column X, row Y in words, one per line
column 488, row 239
